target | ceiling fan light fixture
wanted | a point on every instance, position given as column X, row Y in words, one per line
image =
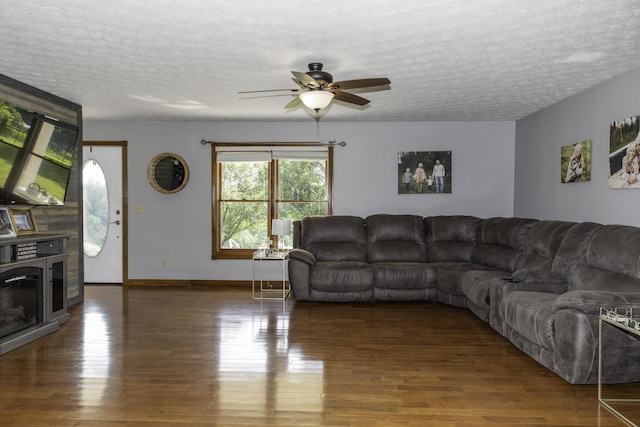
column 316, row 99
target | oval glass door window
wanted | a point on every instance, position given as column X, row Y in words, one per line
column 95, row 208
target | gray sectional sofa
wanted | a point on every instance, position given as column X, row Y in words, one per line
column 540, row 284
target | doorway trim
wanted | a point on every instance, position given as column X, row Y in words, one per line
column 125, row 201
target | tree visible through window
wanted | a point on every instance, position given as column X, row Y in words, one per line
column 253, row 187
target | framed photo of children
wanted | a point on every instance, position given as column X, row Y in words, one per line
column 424, row 172
column 23, row 221
column 624, row 148
column 6, row 225
column 575, row 162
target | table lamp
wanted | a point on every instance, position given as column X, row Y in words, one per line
column 280, row 227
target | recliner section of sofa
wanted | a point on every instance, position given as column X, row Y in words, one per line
column 560, row 329
column 537, row 251
column 450, row 244
column 333, row 265
column 540, row 284
column 397, row 251
column 495, row 250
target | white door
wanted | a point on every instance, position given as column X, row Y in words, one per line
column 102, row 216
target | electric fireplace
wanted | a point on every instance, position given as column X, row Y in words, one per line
column 21, row 299
column 33, row 289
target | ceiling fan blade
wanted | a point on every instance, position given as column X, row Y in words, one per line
column 349, row 97
column 299, row 83
column 305, row 80
column 270, row 90
column 294, row 102
column 256, row 96
column 361, row 83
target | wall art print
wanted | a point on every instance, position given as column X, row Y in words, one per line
column 424, row 172
column 624, row 149
column 575, row 162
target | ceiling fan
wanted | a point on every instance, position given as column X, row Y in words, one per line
column 317, row 89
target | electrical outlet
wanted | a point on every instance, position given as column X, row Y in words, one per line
column 138, row 208
column 164, row 262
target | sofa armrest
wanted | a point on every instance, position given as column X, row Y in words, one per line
column 302, row 255
column 589, row 302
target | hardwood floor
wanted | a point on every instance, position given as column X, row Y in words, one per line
column 175, row 356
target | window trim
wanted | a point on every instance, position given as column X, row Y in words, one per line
column 216, row 251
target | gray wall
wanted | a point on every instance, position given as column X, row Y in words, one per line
column 177, row 227
column 538, row 189
column 499, row 169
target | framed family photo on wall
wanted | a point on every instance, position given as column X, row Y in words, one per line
column 624, row 148
column 424, row 172
column 575, row 162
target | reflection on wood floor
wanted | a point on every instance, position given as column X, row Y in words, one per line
column 160, row 356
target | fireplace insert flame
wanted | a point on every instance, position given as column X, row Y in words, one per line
column 21, row 299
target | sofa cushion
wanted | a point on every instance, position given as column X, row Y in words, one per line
column 611, row 261
column 500, row 242
column 343, row 276
column 603, row 250
column 531, row 315
column 403, row 275
column 572, row 248
column 334, row 238
column 496, row 256
column 395, row 238
column 451, row 238
column 449, row 274
column 543, row 241
column 587, row 278
column 404, row 281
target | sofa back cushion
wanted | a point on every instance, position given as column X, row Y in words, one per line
column 393, row 238
column 543, row 241
column 451, row 238
column 611, row 261
column 334, row 238
column 572, row 248
column 501, row 241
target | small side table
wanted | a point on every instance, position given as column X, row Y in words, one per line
column 627, row 319
column 267, row 290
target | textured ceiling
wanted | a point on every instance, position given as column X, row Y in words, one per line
column 447, row 60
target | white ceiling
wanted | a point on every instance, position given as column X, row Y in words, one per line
column 187, row 59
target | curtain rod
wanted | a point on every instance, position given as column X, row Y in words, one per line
column 328, row 143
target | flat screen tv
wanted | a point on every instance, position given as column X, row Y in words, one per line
column 36, row 156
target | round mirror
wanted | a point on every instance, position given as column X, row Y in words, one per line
column 168, row 173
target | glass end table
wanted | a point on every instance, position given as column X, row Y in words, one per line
column 627, row 319
column 262, row 289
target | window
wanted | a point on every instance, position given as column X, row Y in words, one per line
column 254, row 184
column 36, row 155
